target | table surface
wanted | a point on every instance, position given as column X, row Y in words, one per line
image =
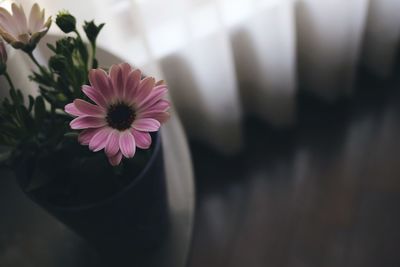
column 324, row 193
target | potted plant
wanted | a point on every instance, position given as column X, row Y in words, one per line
column 87, row 148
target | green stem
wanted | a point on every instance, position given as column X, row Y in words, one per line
column 93, row 54
column 80, row 39
column 77, row 33
column 9, row 80
column 30, row 54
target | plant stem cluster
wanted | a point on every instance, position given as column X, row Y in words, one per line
column 38, row 124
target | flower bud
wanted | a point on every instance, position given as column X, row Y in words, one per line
column 66, row 22
column 92, row 30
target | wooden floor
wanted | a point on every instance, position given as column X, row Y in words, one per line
column 326, row 193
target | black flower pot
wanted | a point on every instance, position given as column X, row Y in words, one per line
column 126, row 226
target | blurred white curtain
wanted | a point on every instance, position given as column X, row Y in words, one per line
column 382, row 36
column 329, row 42
column 226, row 58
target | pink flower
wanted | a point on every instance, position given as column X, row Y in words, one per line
column 20, row 32
column 126, row 109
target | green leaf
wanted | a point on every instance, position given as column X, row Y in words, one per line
column 40, row 110
column 11, row 131
column 31, row 103
column 5, row 153
column 58, row 63
column 24, row 117
column 43, row 79
column 14, row 97
column 49, row 97
column 7, row 105
column 72, row 135
column 20, row 97
column 51, row 47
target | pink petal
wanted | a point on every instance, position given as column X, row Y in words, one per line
column 156, row 94
column 84, row 122
column 89, row 109
column 99, row 80
column 159, row 107
column 115, row 160
column 112, row 146
column 132, row 84
column 95, row 95
column 72, row 110
column 127, row 144
column 126, row 69
column 117, row 80
column 143, row 140
column 163, row 105
column 146, row 125
column 145, row 87
column 86, row 135
column 99, row 140
column 162, row 117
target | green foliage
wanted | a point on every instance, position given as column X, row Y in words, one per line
column 17, row 122
column 60, row 83
column 67, row 71
column 38, row 125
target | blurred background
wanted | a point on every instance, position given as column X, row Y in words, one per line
column 292, row 112
column 226, row 59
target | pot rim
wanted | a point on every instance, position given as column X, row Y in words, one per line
column 157, row 147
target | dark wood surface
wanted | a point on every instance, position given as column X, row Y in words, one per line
column 324, row 193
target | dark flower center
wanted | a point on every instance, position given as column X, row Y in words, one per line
column 120, row 116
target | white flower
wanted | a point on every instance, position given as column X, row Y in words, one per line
column 20, row 32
